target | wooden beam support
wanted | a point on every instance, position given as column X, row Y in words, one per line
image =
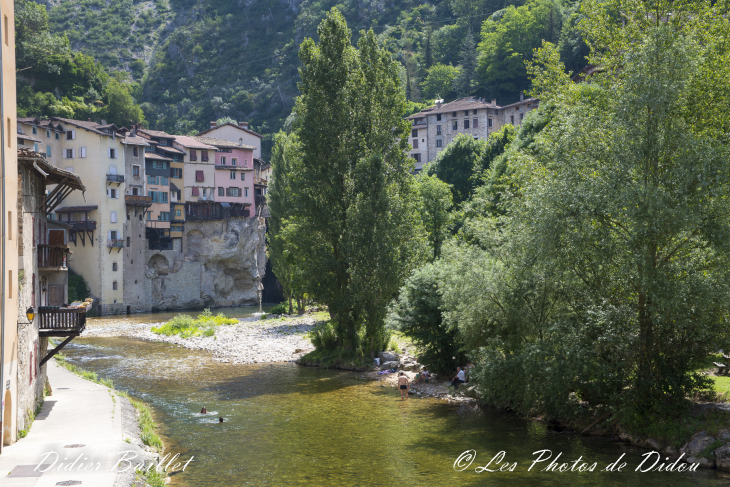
column 55, row 351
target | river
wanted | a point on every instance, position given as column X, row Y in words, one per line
column 292, row 425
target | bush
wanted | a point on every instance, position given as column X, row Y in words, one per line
column 323, row 337
column 186, row 326
column 280, row 309
column 78, row 288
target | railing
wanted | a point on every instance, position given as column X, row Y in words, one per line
column 51, row 256
column 114, row 243
column 85, row 225
column 114, row 178
column 137, row 200
column 207, row 197
column 61, row 321
column 261, row 181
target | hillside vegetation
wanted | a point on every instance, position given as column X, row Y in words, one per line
column 197, row 61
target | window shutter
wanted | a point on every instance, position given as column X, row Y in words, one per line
column 73, row 153
column 108, row 194
column 195, row 191
column 199, row 176
column 73, row 135
column 63, row 154
column 83, row 152
column 113, row 217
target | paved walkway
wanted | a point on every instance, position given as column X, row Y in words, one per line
column 81, row 420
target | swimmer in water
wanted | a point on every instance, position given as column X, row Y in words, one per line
column 220, row 420
column 203, row 411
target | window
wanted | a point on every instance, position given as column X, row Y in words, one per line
column 522, row 115
column 415, row 143
column 220, row 191
column 466, row 124
column 227, row 151
column 135, row 191
column 245, row 162
column 158, row 196
column 454, row 114
column 243, row 176
column 512, row 119
column 112, row 192
column 205, row 191
column 475, row 123
column 164, row 216
column 149, row 215
column 454, row 125
column 234, row 192
column 82, row 151
column 113, row 217
column 438, row 117
column 69, row 153
column 414, row 133
column 135, row 151
column 69, row 169
column 35, row 146
column 149, row 148
column 195, row 191
column 466, row 113
column 474, row 112
column 245, row 192
column 223, row 160
column 199, row 176
column 35, row 130
column 114, row 285
column 176, row 172
column 193, row 155
column 58, row 136
column 128, row 243
column 113, row 234
column 204, row 156
column 71, row 135
column 114, row 264
column 233, row 175
column 153, row 179
column 48, row 134
column 438, row 129
column 164, row 181
column 234, row 161
column 159, row 165
column 439, row 143
column 6, row 30
column 417, row 157
column 135, row 170
column 489, row 122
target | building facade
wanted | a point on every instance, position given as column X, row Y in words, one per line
column 237, row 133
column 434, row 128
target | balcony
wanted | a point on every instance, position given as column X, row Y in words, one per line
column 137, row 200
column 52, row 257
column 114, row 178
column 260, row 200
column 207, row 197
column 85, row 225
column 260, row 181
column 61, row 322
column 114, row 243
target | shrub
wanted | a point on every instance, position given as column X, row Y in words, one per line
column 186, row 326
column 78, row 288
column 280, row 309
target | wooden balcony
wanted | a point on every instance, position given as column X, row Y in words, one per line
column 260, row 181
column 61, row 322
column 114, row 178
column 137, row 200
column 51, row 257
column 85, row 225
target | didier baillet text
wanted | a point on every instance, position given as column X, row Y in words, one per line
column 547, row 461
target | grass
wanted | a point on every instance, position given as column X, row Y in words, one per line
column 186, row 326
column 317, row 316
column 398, row 341
column 722, row 387
column 84, row 374
column 152, row 477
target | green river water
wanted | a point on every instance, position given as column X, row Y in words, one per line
column 291, row 425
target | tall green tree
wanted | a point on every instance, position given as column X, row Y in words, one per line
column 439, row 81
column 455, row 165
column 435, row 202
column 466, row 79
column 121, row 108
column 353, row 191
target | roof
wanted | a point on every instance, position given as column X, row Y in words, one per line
column 134, row 141
column 27, row 137
column 50, row 173
column 173, row 187
column 466, row 103
column 90, row 126
column 156, row 133
column 220, row 143
column 30, row 120
column 156, row 156
column 263, row 163
column 191, row 143
column 50, row 124
column 76, row 209
column 168, row 148
column 248, row 131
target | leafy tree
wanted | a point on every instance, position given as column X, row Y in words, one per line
column 435, row 202
column 121, row 108
column 439, row 81
column 417, row 313
column 508, row 40
column 454, row 165
column 466, row 79
column 353, row 191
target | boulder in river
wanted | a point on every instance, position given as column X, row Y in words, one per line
column 387, row 357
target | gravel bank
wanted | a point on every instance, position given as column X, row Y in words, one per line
column 250, row 341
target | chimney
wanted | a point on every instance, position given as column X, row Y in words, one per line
column 494, row 102
column 213, row 125
column 522, row 96
column 243, row 125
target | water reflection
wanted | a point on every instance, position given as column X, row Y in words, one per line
column 290, row 425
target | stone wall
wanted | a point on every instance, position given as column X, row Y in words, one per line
column 217, row 263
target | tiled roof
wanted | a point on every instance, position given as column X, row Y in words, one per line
column 232, row 125
column 191, row 143
column 135, row 141
column 221, row 143
column 50, row 124
column 50, row 173
column 168, row 148
column 76, row 209
column 90, row 126
column 156, row 133
column 467, row 103
column 31, row 120
column 28, row 137
column 156, row 156
column 173, row 187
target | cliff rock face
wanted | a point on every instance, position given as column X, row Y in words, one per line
column 217, row 263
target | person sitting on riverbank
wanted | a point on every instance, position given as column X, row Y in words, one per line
column 458, row 379
column 422, row 378
column 203, row 411
column 403, row 386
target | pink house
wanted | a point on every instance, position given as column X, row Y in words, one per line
column 234, row 181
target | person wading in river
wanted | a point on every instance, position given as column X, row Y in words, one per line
column 203, row 411
column 403, row 386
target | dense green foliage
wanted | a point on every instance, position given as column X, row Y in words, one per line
column 54, row 80
column 78, row 288
column 351, row 220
